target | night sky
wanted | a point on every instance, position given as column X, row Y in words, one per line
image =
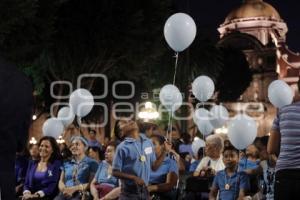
column 209, row 14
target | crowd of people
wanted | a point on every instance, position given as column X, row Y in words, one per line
column 142, row 163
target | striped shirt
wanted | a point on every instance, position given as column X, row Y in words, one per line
column 287, row 123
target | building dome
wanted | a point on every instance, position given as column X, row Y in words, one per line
column 253, row 8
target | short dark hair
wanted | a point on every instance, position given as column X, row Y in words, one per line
column 161, row 139
column 230, row 147
column 113, row 144
column 98, row 150
column 186, row 137
column 263, row 140
column 200, row 152
column 144, row 126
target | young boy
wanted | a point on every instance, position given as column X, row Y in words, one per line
column 132, row 163
column 230, row 183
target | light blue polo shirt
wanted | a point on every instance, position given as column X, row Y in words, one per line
column 102, row 175
column 127, row 158
column 160, row 175
column 245, row 164
column 237, row 181
column 84, row 168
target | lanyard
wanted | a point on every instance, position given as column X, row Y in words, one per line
column 227, row 184
column 142, row 156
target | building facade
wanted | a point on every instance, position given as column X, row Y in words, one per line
column 256, row 28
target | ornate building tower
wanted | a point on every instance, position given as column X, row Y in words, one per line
column 256, row 28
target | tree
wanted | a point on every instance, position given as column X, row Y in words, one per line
column 235, row 76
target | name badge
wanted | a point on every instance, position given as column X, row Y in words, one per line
column 148, row 150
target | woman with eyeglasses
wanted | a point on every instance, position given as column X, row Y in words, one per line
column 77, row 173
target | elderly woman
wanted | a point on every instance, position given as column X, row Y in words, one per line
column 77, row 173
column 164, row 179
column 43, row 175
column 104, row 182
column 212, row 162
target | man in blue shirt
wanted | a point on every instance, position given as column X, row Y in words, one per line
column 133, row 160
column 230, row 183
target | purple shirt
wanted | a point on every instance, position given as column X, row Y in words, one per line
column 38, row 179
column 186, row 148
column 287, row 123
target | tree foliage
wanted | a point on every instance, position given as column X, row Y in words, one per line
column 61, row 39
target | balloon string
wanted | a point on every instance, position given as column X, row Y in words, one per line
column 204, row 146
column 79, row 127
column 171, row 113
column 175, row 71
column 169, row 126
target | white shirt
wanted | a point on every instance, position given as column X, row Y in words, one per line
column 216, row 165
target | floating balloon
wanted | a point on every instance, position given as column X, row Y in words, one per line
column 219, row 116
column 81, row 102
column 203, row 88
column 66, row 116
column 53, row 127
column 280, row 94
column 197, row 144
column 202, row 120
column 242, row 131
column 180, row 31
column 170, row 97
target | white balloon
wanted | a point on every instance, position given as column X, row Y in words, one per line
column 81, row 102
column 53, row 127
column 180, row 31
column 242, row 131
column 66, row 116
column 170, row 97
column 219, row 116
column 202, row 120
column 203, row 88
column 197, row 144
column 280, row 94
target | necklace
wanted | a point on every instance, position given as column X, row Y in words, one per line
column 142, row 156
column 227, row 183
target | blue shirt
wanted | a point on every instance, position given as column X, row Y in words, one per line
column 160, row 175
column 84, row 169
column 247, row 164
column 288, row 126
column 94, row 143
column 237, row 181
column 194, row 165
column 102, row 175
column 127, row 158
